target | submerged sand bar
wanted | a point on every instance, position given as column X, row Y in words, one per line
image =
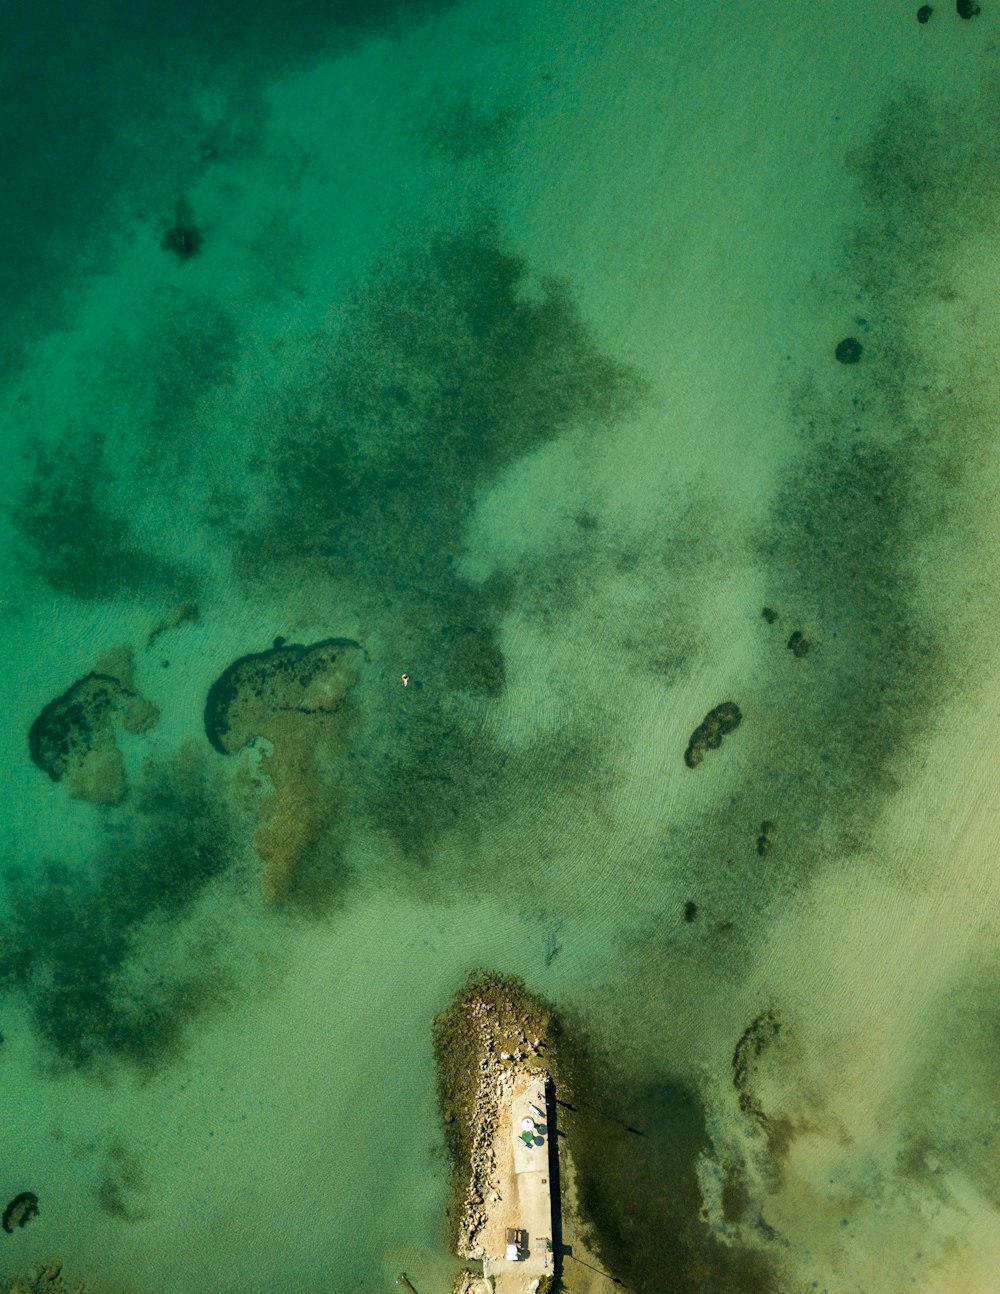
column 519, row 1204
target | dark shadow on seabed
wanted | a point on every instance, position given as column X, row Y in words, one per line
column 555, row 1188
column 560, row 1250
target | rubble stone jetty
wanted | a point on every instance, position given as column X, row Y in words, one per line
column 496, row 1079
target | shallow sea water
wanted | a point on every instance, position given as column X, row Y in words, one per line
column 509, row 353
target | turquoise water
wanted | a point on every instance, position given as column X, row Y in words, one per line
column 500, row 339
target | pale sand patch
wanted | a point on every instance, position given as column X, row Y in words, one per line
column 884, row 950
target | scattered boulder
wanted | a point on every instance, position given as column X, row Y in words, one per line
column 20, row 1210
column 924, row 13
column 798, row 645
column 848, row 351
column 74, row 736
column 708, row 735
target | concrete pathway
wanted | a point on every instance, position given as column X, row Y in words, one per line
column 529, row 1210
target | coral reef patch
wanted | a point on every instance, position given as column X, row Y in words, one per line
column 725, row 718
column 74, row 736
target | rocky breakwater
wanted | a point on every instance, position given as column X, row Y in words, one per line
column 490, row 1035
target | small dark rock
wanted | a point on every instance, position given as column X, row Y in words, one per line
column 848, row 351
column 690, row 910
column 797, row 644
column 966, row 9
column 769, row 614
column 20, row 1210
column 924, row 13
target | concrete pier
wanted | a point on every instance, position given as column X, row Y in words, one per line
column 518, row 1237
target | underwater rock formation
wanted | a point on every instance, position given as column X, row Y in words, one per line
column 287, row 678
column 709, row 733
column 20, row 1210
column 74, row 736
column 295, row 697
column 848, row 351
column 755, row 1037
